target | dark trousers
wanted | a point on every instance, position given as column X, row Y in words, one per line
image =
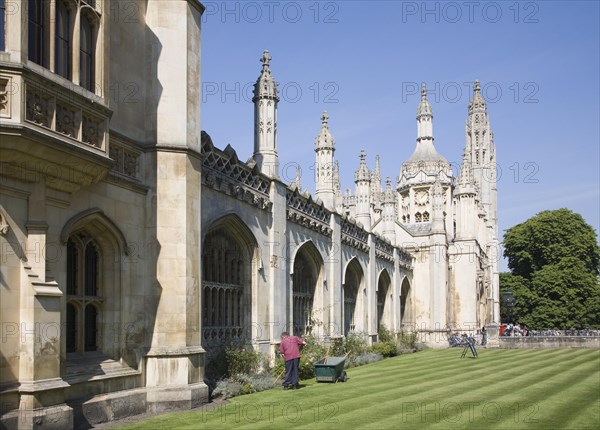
column 291, row 371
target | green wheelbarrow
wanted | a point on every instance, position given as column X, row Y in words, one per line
column 331, row 369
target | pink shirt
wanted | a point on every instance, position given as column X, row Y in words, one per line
column 290, row 347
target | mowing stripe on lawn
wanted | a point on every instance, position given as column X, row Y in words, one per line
column 382, row 398
column 433, row 397
column 552, row 380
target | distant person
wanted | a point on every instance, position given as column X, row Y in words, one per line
column 483, row 336
column 290, row 349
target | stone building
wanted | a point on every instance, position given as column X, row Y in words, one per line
column 131, row 244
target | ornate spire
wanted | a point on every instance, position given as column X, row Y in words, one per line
column 388, row 194
column 324, row 140
column 336, row 178
column 362, row 174
column 477, row 104
column 465, row 176
column 265, row 87
column 424, row 108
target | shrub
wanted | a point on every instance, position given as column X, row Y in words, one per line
column 354, row 345
column 241, row 361
column 406, row 339
column 383, row 334
column 362, row 359
column 241, row 384
column 386, row 349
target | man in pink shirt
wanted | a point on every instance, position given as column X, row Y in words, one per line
column 290, row 349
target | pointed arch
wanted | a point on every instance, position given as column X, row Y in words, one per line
column 307, row 288
column 94, row 249
column 384, row 283
column 406, row 304
column 229, row 261
column 99, row 226
column 355, row 312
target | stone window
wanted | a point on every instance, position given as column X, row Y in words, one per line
column 62, row 43
column 83, row 294
column 406, row 307
column 51, row 28
column 304, row 289
column 350, row 293
column 87, row 66
column 425, row 216
column 418, row 217
column 382, row 294
column 2, row 24
column 38, row 28
column 224, row 280
column 353, row 298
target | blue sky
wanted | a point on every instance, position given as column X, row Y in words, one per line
column 538, row 63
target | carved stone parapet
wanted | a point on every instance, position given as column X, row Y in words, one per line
column 223, row 172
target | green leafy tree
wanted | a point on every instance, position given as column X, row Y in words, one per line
column 547, row 238
column 554, row 259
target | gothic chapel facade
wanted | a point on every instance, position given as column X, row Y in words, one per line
column 131, row 244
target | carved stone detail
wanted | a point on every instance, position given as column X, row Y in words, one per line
column 222, row 171
column 126, row 160
column 3, row 225
column 38, row 110
column 4, row 99
column 91, row 132
column 354, row 235
column 66, row 121
column 302, row 210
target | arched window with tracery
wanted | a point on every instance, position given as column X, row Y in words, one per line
column 382, row 299
column 418, row 217
column 84, row 299
column 37, row 36
column 87, row 53
column 406, row 307
column 62, row 44
column 352, row 299
column 226, row 286
column 304, row 283
column 425, row 216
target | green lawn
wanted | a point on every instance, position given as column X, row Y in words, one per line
column 502, row 389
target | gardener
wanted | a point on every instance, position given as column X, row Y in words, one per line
column 290, row 349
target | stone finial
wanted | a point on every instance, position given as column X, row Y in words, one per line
column 265, row 58
column 324, row 118
column 362, row 174
column 477, row 103
column 424, row 108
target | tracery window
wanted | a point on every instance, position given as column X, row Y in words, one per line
column 87, row 73
column 382, row 292
column 223, row 284
column 37, row 29
column 425, row 216
column 62, row 37
column 304, row 283
column 352, row 287
column 418, row 217
column 350, row 293
column 2, row 24
column 62, row 44
column 84, row 302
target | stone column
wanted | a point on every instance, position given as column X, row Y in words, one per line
column 175, row 359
